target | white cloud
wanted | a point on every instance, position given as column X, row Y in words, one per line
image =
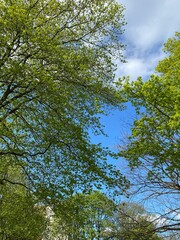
column 134, row 68
column 149, row 25
column 151, row 22
column 139, row 65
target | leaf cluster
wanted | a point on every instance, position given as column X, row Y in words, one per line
column 56, row 76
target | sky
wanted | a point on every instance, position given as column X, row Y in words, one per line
column 149, row 24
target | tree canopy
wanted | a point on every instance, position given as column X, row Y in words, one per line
column 153, row 147
column 83, row 216
column 56, row 76
column 94, row 216
column 20, row 216
column 132, row 222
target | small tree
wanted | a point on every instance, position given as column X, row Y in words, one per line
column 132, row 222
column 83, row 217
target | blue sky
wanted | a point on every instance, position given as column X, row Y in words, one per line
column 149, row 24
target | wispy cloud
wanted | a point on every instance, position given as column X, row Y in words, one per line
column 149, row 25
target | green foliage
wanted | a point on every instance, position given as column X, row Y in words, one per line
column 153, row 148
column 94, row 216
column 56, row 75
column 132, row 222
column 84, row 216
column 154, row 143
column 20, row 217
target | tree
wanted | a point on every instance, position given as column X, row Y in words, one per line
column 153, row 148
column 84, row 216
column 132, row 222
column 56, row 77
column 94, row 216
column 20, row 217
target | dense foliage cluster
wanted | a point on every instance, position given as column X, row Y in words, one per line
column 96, row 217
column 56, row 76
